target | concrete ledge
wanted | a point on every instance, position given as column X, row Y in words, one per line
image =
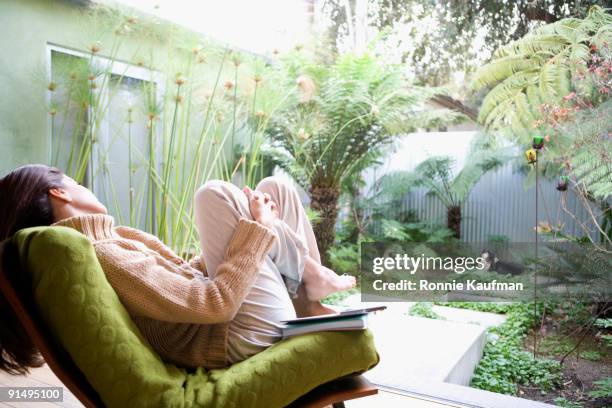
column 461, row 373
column 416, row 348
column 457, row 395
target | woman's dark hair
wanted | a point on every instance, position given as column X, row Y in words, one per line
column 24, row 202
column 24, row 198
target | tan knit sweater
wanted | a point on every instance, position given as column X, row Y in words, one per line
column 182, row 313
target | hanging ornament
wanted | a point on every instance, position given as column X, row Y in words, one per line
column 538, row 142
column 531, row 155
column 563, row 183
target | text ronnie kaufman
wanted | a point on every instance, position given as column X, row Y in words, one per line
column 423, row 284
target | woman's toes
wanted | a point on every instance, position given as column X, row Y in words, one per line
column 347, row 282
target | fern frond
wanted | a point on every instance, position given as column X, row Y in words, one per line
column 588, row 144
column 499, row 116
column 482, row 160
column 502, row 68
column 546, row 44
column 542, row 67
column 524, row 111
column 594, row 173
column 506, row 90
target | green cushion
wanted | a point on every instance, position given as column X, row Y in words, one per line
column 85, row 315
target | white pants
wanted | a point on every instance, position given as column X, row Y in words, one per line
column 218, row 207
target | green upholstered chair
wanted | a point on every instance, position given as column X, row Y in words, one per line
column 88, row 339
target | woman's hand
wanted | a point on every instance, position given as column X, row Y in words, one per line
column 263, row 209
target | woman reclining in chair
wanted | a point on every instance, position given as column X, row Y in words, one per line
column 259, row 265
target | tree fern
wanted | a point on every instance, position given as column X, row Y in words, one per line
column 359, row 106
column 355, row 107
column 437, row 176
column 436, row 173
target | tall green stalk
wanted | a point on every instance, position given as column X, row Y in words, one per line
column 194, row 174
column 161, row 230
column 130, row 170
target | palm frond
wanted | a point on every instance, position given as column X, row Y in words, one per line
column 482, row 160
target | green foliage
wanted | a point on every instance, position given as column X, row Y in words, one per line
column 579, row 150
column 505, row 364
column 491, row 307
column 498, row 238
column 338, row 297
column 313, row 215
column 588, row 154
column 602, row 389
column 381, row 215
column 394, row 230
column 565, row 403
column 604, row 323
column 541, row 68
column 345, row 259
column 425, row 231
column 424, row 309
column 555, row 345
column 382, row 201
column 578, row 313
column 592, row 355
column 421, row 231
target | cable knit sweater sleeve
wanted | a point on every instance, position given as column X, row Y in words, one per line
column 165, row 288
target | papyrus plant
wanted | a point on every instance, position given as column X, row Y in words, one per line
column 191, row 114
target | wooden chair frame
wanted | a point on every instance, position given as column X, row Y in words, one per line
column 332, row 393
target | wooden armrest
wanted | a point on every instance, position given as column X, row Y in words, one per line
column 335, row 392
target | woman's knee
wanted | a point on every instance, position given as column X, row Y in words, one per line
column 213, row 191
column 275, row 186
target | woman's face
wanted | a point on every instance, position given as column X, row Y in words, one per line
column 78, row 198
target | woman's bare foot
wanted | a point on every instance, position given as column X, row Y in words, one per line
column 320, row 281
column 305, row 307
column 316, row 308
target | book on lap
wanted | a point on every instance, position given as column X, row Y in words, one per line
column 350, row 319
column 335, row 316
column 358, row 322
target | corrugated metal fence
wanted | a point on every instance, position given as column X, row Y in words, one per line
column 501, row 204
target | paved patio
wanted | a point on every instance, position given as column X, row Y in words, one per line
column 44, row 377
